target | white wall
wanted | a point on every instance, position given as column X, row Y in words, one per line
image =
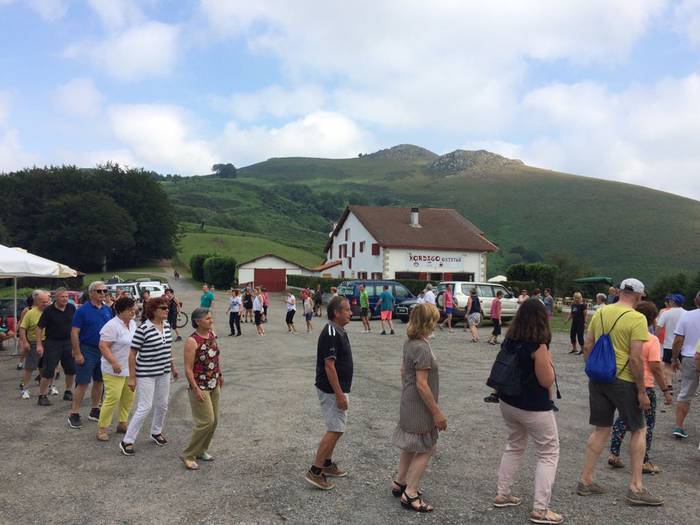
column 246, row 272
column 362, row 262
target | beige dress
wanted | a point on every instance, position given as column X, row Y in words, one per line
column 416, row 430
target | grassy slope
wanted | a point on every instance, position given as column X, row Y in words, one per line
column 241, row 247
column 619, row 229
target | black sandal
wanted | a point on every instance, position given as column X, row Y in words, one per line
column 402, row 488
column 408, row 504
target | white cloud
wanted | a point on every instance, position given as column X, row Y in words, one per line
column 116, row 14
column 49, row 10
column 160, row 137
column 4, row 106
column 274, row 101
column 323, row 134
column 12, row 154
column 79, row 98
column 146, row 50
column 647, row 135
column 687, row 20
column 440, row 65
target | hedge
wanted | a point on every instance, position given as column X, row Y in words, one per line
column 197, row 265
column 220, row 271
column 307, row 281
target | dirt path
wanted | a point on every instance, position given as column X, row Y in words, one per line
column 270, row 425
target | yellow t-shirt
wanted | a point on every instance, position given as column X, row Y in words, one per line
column 30, row 322
column 631, row 327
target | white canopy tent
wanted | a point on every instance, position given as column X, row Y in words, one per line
column 498, row 279
column 17, row 262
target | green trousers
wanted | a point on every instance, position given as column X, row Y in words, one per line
column 206, row 416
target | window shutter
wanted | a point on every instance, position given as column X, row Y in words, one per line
column 353, row 248
column 375, row 249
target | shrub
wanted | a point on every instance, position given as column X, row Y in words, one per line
column 675, row 283
column 197, row 265
column 307, row 281
column 220, row 271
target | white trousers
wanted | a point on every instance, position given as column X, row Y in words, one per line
column 151, row 393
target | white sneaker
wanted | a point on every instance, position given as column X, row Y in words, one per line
column 25, row 394
column 53, row 390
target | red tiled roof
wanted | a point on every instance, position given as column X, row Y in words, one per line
column 441, row 229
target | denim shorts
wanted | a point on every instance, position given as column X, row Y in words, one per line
column 91, row 369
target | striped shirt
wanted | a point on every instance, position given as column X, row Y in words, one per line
column 154, row 349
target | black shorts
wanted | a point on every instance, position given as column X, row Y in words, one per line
column 496, row 327
column 668, row 353
column 364, row 312
column 258, row 317
column 604, row 398
column 290, row 317
column 55, row 352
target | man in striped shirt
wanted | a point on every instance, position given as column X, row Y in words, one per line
column 334, row 370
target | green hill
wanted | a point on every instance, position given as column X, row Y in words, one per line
column 613, row 228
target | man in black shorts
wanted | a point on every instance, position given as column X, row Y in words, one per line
column 333, row 382
column 626, row 393
column 56, row 321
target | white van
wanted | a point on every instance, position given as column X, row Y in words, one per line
column 486, row 293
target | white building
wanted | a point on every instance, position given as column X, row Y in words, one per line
column 371, row 242
column 270, row 271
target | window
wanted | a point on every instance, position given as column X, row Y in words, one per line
column 375, row 249
column 362, row 275
column 342, row 274
column 350, row 262
column 362, row 246
column 347, row 233
column 506, row 293
column 376, row 275
column 484, row 291
column 466, row 288
column 353, row 249
column 340, row 251
column 401, row 291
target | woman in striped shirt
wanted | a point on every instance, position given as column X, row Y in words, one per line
column 150, row 367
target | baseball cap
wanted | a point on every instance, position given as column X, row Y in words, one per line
column 678, row 298
column 632, row 285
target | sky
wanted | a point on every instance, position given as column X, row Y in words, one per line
column 601, row 88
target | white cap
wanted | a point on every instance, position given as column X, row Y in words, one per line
column 632, row 285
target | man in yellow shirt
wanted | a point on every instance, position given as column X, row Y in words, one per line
column 627, row 394
column 28, row 337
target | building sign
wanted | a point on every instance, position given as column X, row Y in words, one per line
column 432, row 260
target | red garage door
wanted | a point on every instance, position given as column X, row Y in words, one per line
column 273, row 280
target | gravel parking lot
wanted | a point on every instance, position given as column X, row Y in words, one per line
column 269, row 428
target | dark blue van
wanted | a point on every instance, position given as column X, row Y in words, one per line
column 374, row 287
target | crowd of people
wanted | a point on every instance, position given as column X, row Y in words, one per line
column 525, row 379
column 123, row 351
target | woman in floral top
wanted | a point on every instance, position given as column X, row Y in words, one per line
column 205, row 380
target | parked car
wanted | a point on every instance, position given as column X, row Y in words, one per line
column 131, row 288
column 351, row 290
column 460, row 290
column 155, row 288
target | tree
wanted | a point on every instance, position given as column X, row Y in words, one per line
column 197, row 265
column 84, row 231
column 225, row 171
column 220, row 271
column 4, row 234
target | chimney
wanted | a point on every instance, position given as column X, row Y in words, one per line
column 414, row 218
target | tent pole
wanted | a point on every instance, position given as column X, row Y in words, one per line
column 14, row 280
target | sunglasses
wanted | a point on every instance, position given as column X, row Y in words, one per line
column 103, row 290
